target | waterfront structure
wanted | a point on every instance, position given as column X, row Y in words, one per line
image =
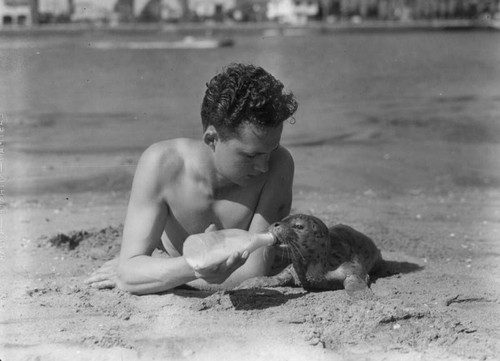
column 159, row 10
column 249, row 11
column 301, row 11
column 211, row 9
column 295, row 12
column 405, row 10
column 94, row 11
column 15, row 13
column 54, row 7
column 292, row 11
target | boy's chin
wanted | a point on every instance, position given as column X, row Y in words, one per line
column 250, row 180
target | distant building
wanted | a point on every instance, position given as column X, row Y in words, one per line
column 172, row 10
column 250, row 10
column 404, row 10
column 15, row 12
column 125, row 11
column 160, row 10
column 95, row 11
column 211, row 9
column 51, row 11
column 292, row 11
column 55, row 7
column 147, row 10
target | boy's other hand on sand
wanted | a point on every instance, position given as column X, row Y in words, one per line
column 105, row 276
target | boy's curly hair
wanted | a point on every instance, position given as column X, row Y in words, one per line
column 245, row 93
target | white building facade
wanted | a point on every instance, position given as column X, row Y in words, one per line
column 15, row 13
column 292, row 11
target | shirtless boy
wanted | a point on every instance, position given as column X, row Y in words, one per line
column 237, row 176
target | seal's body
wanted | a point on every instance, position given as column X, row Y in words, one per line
column 321, row 258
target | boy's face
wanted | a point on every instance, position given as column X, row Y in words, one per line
column 244, row 159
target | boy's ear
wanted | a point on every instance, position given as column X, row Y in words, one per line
column 210, row 136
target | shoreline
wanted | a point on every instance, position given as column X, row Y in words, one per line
column 264, row 28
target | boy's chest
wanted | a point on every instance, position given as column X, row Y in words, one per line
column 195, row 210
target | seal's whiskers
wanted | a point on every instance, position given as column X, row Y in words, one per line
column 296, row 251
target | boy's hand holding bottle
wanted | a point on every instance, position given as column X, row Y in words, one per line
column 215, row 255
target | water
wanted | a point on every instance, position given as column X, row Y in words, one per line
column 64, row 79
column 126, row 99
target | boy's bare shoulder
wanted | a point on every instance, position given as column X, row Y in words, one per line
column 168, row 157
column 282, row 161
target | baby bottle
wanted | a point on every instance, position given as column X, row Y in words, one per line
column 209, row 249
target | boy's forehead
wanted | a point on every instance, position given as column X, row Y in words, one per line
column 253, row 138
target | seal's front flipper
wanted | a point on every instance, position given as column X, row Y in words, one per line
column 356, row 287
column 283, row 279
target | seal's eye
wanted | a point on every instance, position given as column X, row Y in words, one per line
column 298, row 226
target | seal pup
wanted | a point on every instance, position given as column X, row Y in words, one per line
column 321, row 258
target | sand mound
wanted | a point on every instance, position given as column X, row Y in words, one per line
column 103, row 244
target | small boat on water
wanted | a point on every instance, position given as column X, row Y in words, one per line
column 189, row 42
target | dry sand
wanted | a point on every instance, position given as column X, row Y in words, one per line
column 427, row 192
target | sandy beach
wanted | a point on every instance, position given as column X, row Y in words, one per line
column 426, row 192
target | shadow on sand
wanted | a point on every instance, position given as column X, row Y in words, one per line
column 239, row 300
column 391, row 268
column 263, row 298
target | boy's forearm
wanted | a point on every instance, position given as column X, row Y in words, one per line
column 146, row 274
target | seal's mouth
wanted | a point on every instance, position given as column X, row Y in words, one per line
column 286, row 244
column 281, row 240
column 281, row 244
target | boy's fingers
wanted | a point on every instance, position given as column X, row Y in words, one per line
column 106, row 268
column 96, row 277
column 110, row 264
column 104, row 284
column 218, row 273
column 232, row 260
column 236, row 261
column 91, row 279
column 212, row 227
column 100, row 272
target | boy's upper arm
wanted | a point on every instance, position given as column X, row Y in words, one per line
column 276, row 198
column 147, row 210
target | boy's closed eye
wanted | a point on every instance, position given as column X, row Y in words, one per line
column 254, row 155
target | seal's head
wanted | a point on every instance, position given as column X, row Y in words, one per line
column 300, row 236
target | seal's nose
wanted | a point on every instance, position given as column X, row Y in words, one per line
column 275, row 227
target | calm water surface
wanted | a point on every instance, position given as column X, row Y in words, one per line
column 119, row 99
